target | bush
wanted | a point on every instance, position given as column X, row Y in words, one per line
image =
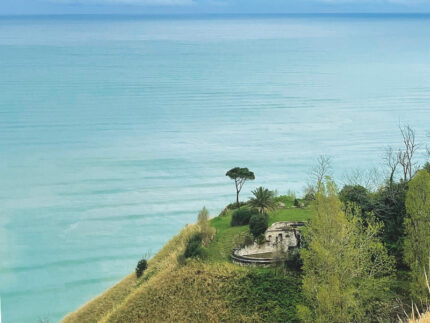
column 258, row 224
column 203, row 216
column 207, row 231
column 242, row 216
column 141, row 267
column 194, row 248
column 231, row 207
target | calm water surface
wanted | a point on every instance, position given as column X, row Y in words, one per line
column 114, row 131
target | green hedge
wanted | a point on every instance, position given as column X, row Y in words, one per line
column 242, row 216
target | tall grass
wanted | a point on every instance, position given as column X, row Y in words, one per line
column 164, row 261
column 416, row 316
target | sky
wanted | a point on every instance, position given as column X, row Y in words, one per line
column 35, row 7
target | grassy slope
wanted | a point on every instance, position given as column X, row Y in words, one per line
column 213, row 290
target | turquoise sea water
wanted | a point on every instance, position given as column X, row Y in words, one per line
column 114, row 131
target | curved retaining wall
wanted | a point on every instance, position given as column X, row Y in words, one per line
column 252, row 261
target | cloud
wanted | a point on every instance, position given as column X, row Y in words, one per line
column 125, row 2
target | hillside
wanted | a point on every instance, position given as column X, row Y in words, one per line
column 213, row 290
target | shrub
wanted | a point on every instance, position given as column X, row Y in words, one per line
column 258, row 224
column 203, row 216
column 242, row 216
column 207, row 231
column 194, row 248
column 141, row 267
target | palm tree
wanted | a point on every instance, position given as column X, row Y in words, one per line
column 263, row 199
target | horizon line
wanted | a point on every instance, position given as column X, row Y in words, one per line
column 222, row 14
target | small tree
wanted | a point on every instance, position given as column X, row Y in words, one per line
column 258, row 225
column 141, row 267
column 356, row 194
column 322, row 169
column 407, row 154
column 194, row 248
column 240, row 176
column 263, row 199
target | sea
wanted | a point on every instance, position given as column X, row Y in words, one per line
column 116, row 130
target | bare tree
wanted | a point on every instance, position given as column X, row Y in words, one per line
column 369, row 178
column 321, row 169
column 353, row 177
column 405, row 155
column 392, row 161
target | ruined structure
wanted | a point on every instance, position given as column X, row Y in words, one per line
column 280, row 237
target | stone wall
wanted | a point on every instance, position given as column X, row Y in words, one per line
column 279, row 237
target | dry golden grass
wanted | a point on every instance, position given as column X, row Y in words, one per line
column 193, row 293
column 424, row 318
column 164, row 261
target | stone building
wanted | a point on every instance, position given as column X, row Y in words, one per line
column 279, row 238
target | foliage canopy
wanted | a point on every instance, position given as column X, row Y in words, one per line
column 346, row 268
column 263, row 199
column 417, row 229
column 258, row 224
column 240, row 176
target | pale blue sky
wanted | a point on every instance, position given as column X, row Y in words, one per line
column 210, row 6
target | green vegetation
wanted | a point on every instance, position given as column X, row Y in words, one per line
column 417, row 227
column 242, row 216
column 347, row 270
column 141, row 267
column 258, row 224
column 264, row 295
column 263, row 200
column 194, row 248
column 240, row 176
